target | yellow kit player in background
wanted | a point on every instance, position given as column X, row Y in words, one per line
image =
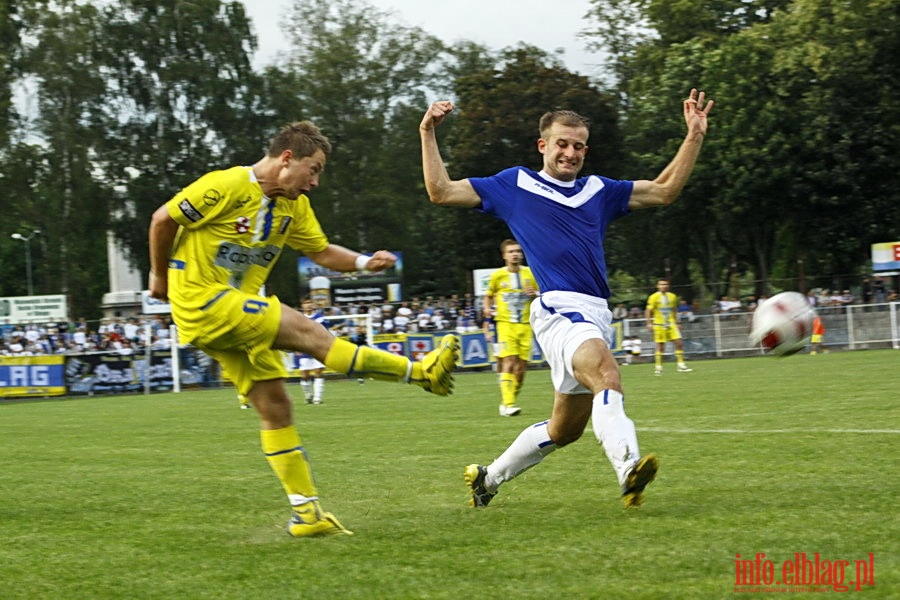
column 213, row 245
column 661, row 321
column 510, row 291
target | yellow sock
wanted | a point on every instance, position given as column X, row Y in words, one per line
column 508, row 388
column 658, row 357
column 362, row 361
column 679, row 356
column 287, row 458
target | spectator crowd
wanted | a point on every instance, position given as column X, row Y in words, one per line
column 462, row 313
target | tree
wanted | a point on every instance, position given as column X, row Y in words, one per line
column 845, row 149
column 181, row 100
column 10, row 55
column 792, row 158
column 363, row 79
column 61, row 196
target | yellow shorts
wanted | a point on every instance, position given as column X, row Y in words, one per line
column 816, row 339
column 665, row 333
column 514, row 339
column 238, row 331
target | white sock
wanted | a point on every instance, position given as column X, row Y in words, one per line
column 318, row 387
column 527, row 450
column 615, row 431
column 306, row 384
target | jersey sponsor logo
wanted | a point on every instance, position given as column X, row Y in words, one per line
column 515, row 301
column 188, row 210
column 242, row 225
column 530, row 184
column 285, row 223
column 211, row 197
column 235, row 257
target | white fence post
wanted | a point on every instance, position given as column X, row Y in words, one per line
column 176, row 364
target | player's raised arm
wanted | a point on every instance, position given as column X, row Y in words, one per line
column 669, row 183
column 441, row 189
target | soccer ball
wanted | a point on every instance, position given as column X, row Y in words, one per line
column 782, row 324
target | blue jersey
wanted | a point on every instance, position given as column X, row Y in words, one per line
column 561, row 226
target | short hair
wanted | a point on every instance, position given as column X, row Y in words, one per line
column 569, row 118
column 300, row 137
column 507, row 243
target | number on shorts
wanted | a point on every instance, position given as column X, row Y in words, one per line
column 253, row 307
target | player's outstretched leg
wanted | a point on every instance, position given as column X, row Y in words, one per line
column 531, row 446
column 434, row 373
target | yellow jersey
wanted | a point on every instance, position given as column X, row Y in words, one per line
column 231, row 236
column 511, row 302
column 663, row 306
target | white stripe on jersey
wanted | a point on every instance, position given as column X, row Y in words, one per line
column 530, row 184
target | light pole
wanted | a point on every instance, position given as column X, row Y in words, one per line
column 27, row 240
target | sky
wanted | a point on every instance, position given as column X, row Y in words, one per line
column 495, row 24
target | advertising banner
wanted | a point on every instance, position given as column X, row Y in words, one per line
column 102, row 374
column 886, row 257
column 474, row 349
column 480, row 280
column 333, row 288
column 22, row 376
column 420, row 344
column 116, row 374
column 33, row 309
column 394, row 343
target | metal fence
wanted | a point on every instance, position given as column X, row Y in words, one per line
column 724, row 335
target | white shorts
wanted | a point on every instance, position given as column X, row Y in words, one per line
column 308, row 363
column 562, row 321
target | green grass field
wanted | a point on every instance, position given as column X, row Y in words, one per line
column 169, row 497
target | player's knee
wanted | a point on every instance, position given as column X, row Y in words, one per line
column 566, row 436
column 272, row 404
column 610, row 379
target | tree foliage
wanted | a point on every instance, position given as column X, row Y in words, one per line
column 792, row 158
column 182, row 100
column 60, row 195
column 363, row 79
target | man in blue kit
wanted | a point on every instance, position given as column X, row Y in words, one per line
column 560, row 220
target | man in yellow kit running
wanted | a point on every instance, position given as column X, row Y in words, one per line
column 663, row 324
column 213, row 245
column 510, row 291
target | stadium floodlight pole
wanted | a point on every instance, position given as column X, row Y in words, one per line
column 27, row 240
